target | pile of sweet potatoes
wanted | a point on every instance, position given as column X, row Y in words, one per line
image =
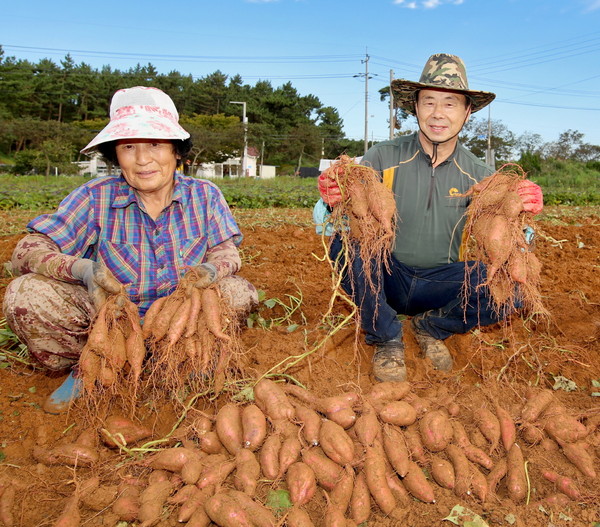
column 185, row 343
column 366, row 217
column 495, row 235
column 355, row 455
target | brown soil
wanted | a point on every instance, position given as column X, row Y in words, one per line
column 283, row 257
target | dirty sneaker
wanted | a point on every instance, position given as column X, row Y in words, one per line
column 435, row 350
column 388, row 361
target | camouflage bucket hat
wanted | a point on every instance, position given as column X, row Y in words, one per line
column 441, row 72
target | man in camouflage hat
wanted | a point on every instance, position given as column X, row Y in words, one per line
column 426, row 171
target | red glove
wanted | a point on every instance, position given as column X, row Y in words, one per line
column 531, row 194
column 329, row 190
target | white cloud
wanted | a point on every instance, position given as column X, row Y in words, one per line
column 432, row 4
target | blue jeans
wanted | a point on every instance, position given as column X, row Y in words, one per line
column 405, row 290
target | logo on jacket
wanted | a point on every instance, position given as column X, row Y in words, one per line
column 453, row 191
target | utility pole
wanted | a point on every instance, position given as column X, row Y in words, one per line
column 245, row 123
column 392, row 108
column 366, row 61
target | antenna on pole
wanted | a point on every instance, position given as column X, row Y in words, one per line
column 392, row 109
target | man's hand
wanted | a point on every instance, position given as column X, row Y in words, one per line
column 329, row 190
column 531, row 195
column 207, row 274
column 98, row 279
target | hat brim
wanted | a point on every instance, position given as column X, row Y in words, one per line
column 154, row 127
column 404, row 95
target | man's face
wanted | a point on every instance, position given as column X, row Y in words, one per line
column 441, row 114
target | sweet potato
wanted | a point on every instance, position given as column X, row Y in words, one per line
column 228, row 426
column 436, row 430
column 534, row 407
column 171, row 459
column 124, row 430
column 344, row 416
column 462, row 470
column 7, row 501
column 178, row 324
column 495, row 475
column 297, row 517
column 160, row 325
column 215, row 473
column 415, row 445
column 577, row 454
column 360, row 502
column 508, row 430
column 136, row 353
column 310, row 422
column 70, row 516
column 532, row 434
column 403, row 498
column 195, row 502
column 375, row 473
column 497, row 243
column 326, row 471
column 150, row 316
column 398, row 413
column 127, row 505
column 341, row 495
column 387, row 391
column 442, row 472
column 269, row 456
column 564, row 484
column 247, row 471
column 417, row 484
column 190, row 472
column 254, row 427
column 367, row 427
column 395, row 448
column 473, row 453
column 336, row 443
column 333, row 517
column 74, row 454
column 479, row 483
column 564, row 427
column 211, row 312
column 516, row 479
column 152, row 500
column 259, row 515
column 210, row 443
column 226, row 511
column 557, row 500
column 301, row 482
column 100, row 498
column 182, row 495
column 488, row 424
column 194, row 312
column 289, row 453
column 272, row 400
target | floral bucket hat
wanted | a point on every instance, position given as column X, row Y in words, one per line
column 140, row 113
column 441, row 72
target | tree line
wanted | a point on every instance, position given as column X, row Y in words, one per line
column 49, row 111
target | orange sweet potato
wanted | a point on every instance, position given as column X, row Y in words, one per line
column 152, row 499
column 297, row 517
column 272, row 400
column 479, row 483
column 341, row 495
column 310, row 422
column 436, row 430
column 211, row 312
column 269, row 456
column 289, row 453
column 564, row 484
column 254, row 427
column 375, row 473
column 488, row 424
column 577, row 454
column 215, row 473
column 388, row 391
column 259, row 515
column 123, row 430
column 534, row 407
column 398, row 413
column 462, row 470
column 367, row 427
column 171, row 459
column 247, row 471
column 415, row 445
column 127, row 505
column 228, row 426
column 395, row 448
column 336, row 443
column 360, row 502
column 151, row 315
column 516, row 480
column 442, row 472
column 227, row 511
column 417, row 484
column 301, row 483
column 326, row 471
column 496, row 474
column 508, row 431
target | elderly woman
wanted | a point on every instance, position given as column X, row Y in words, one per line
column 141, row 230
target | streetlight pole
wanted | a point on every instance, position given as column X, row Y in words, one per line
column 245, row 123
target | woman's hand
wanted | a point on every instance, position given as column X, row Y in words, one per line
column 98, row 279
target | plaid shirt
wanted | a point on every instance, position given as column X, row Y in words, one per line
column 103, row 220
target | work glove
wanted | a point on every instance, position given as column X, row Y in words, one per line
column 98, row 279
column 531, row 195
column 207, row 274
column 329, row 189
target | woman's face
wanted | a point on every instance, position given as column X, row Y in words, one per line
column 148, row 165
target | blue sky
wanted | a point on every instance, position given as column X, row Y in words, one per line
column 541, row 57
